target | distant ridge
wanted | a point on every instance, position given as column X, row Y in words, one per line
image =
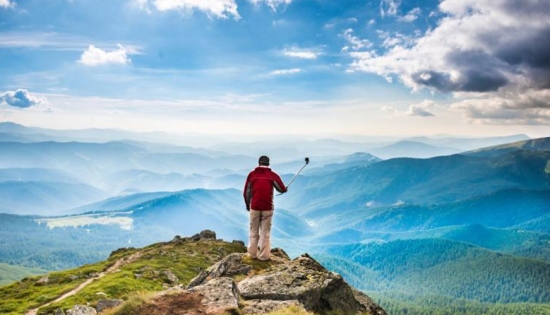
column 539, row 144
column 412, row 149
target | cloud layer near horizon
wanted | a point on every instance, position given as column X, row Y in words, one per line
column 492, row 54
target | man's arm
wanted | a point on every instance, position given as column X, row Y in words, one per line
column 278, row 184
column 247, row 193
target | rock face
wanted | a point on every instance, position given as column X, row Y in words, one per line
column 238, row 284
column 82, row 310
column 302, row 282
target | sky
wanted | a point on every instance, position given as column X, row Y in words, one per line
column 269, row 67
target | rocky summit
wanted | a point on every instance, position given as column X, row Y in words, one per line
column 190, row 275
column 279, row 284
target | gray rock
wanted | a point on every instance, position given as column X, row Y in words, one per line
column 229, row 266
column 105, row 304
column 43, row 280
column 207, row 235
column 82, row 310
column 218, row 294
column 171, row 276
column 306, row 281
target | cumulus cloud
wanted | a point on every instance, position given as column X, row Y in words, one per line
column 301, row 53
column 22, row 98
column 421, row 109
column 214, row 8
column 273, row 4
column 94, row 56
column 411, row 16
column 285, row 71
column 6, row 4
column 355, row 43
column 389, row 7
column 489, row 54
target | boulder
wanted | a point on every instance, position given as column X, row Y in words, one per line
column 170, row 276
column 43, row 280
column 218, row 294
column 207, row 235
column 229, row 266
column 82, row 310
column 306, row 281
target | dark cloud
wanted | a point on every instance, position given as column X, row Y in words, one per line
column 21, row 98
column 493, row 54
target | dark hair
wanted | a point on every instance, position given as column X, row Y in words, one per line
column 263, row 160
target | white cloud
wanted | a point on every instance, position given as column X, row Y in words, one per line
column 6, row 4
column 421, row 109
column 94, row 56
column 273, row 4
column 217, row 8
column 355, row 42
column 483, row 52
column 527, row 108
column 389, row 7
column 22, row 98
column 411, row 16
column 301, row 53
column 285, row 71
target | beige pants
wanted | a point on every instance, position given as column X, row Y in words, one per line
column 260, row 233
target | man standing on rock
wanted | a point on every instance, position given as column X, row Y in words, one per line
column 258, row 197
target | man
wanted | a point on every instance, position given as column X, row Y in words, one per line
column 258, row 197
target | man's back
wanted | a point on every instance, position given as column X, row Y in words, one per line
column 258, row 189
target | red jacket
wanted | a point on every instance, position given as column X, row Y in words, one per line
column 258, row 189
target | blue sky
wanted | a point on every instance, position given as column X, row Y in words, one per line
column 254, row 67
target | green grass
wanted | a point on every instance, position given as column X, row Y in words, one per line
column 9, row 273
column 185, row 260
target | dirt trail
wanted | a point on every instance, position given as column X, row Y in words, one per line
column 115, row 266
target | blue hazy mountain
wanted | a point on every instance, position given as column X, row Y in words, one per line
column 35, row 175
column 419, row 182
column 46, row 198
column 411, row 149
column 135, row 220
column 467, row 143
column 346, row 161
column 143, row 181
column 541, row 144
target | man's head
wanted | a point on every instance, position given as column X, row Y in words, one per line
column 263, row 160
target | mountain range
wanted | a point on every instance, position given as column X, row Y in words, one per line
column 419, row 234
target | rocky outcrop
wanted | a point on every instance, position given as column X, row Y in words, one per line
column 82, row 310
column 282, row 282
column 238, row 284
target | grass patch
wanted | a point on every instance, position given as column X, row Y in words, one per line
column 291, row 310
column 144, row 274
